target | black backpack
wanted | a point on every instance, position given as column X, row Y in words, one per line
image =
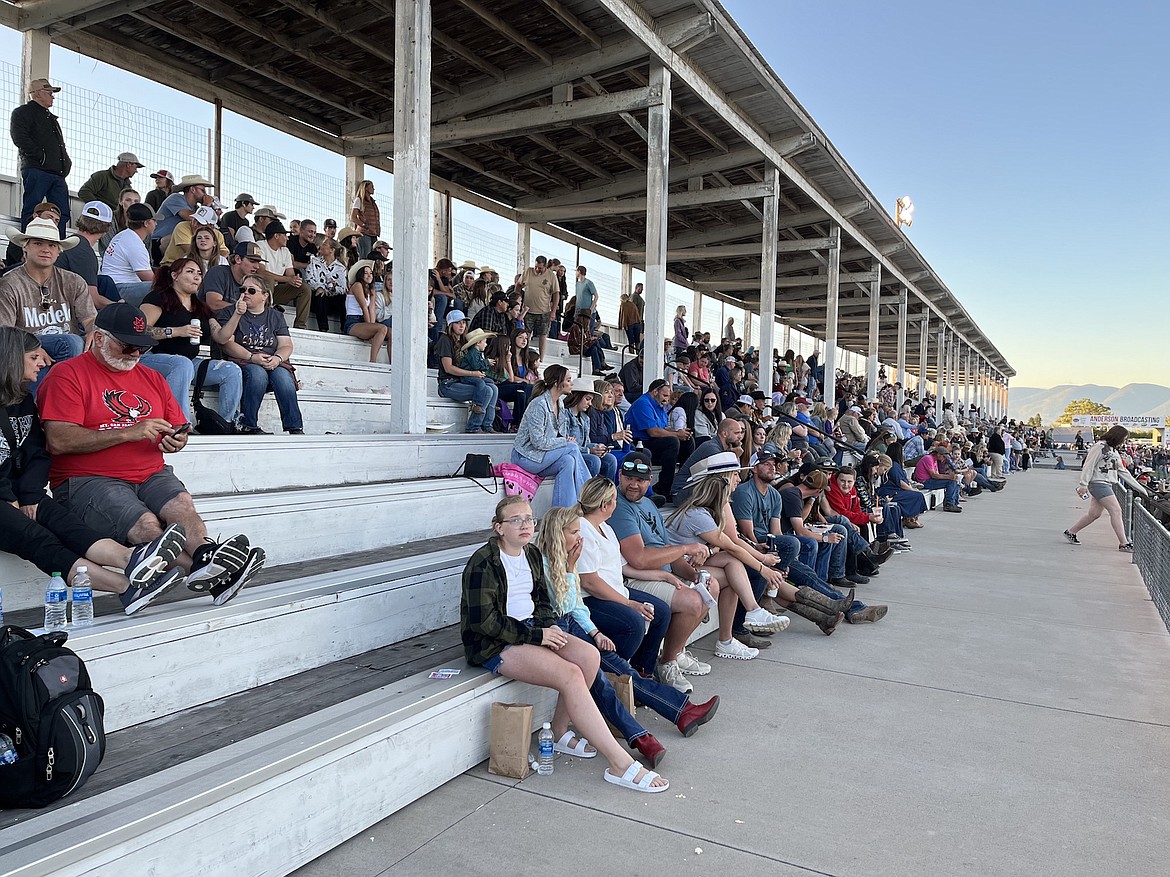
column 52, row 715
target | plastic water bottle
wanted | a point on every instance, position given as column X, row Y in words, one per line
column 82, row 609
column 7, row 750
column 56, row 600
column 544, row 767
column 701, row 587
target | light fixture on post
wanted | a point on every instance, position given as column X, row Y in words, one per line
column 904, row 211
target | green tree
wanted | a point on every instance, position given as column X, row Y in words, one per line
column 1081, row 406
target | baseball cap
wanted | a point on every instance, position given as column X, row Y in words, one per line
column 499, row 297
column 655, row 385
column 129, row 158
column 273, row 229
column 744, row 400
column 636, row 465
column 204, row 215
column 454, row 317
column 98, row 210
column 38, row 84
column 248, row 250
column 138, row 213
column 765, row 455
column 245, row 198
column 127, row 323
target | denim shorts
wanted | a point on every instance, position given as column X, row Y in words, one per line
column 494, row 662
column 1100, row 489
column 351, row 320
column 112, row 506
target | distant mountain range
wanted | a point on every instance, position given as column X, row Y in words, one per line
column 1135, row 399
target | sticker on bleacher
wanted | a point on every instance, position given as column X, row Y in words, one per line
column 445, row 673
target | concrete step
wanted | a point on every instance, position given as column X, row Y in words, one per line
column 305, row 524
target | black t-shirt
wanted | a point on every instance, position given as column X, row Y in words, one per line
column 172, row 320
column 445, row 347
column 301, row 252
column 791, row 506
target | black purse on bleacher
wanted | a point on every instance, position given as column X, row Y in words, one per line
column 477, row 466
column 207, row 420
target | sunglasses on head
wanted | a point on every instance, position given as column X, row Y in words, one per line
column 632, row 467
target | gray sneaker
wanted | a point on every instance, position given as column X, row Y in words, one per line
column 669, row 674
column 691, row 665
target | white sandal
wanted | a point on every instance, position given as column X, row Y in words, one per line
column 581, row 750
column 626, row 780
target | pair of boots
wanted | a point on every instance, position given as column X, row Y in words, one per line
column 825, row 612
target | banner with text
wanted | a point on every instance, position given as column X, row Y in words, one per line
column 1129, row 421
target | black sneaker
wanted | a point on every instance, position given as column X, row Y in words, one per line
column 147, row 561
column 1127, row 547
column 240, row 578
column 140, row 596
column 252, row 430
column 1072, row 538
column 216, row 562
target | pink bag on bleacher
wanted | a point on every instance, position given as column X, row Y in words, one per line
column 517, row 482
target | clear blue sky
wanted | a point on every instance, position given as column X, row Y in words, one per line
column 1033, row 138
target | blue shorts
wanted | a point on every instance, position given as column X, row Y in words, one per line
column 494, row 663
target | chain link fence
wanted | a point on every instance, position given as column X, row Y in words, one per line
column 1151, row 548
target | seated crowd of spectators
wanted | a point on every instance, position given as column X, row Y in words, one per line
column 767, row 503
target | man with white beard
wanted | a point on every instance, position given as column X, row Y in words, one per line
column 108, row 421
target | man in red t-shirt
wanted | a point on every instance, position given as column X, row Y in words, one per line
column 108, row 421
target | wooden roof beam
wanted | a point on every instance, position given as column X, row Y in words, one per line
column 635, row 206
column 97, row 15
column 561, row 14
column 573, row 156
column 500, row 26
column 517, row 123
column 732, row 251
column 214, row 49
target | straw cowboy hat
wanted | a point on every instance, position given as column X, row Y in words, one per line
column 41, row 230
column 357, row 269
column 487, row 269
column 716, row 464
column 348, row 231
column 474, row 337
column 468, row 265
column 190, row 180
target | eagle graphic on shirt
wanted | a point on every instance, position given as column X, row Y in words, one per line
column 126, row 411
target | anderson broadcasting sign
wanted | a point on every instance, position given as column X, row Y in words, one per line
column 1126, row 420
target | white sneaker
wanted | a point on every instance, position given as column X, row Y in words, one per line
column 734, row 650
column 691, row 665
column 761, row 619
column 669, row 674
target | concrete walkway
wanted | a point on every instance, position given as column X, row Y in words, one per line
column 1010, row 716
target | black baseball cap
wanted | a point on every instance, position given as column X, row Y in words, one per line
column 637, row 465
column 139, row 213
column 127, row 323
column 656, row 385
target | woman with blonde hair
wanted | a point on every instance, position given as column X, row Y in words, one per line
column 706, row 515
column 364, row 214
column 560, row 543
column 680, row 330
column 204, row 250
column 508, row 626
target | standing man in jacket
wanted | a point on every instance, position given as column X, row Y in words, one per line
column 44, row 160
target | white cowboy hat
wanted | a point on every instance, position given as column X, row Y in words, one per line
column 584, row 384
column 716, row 464
column 41, row 230
column 189, row 180
column 356, row 269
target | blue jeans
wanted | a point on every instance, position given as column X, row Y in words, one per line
column 803, row 576
column 602, row 689
column 634, row 334
column 134, row 292
column 828, row 560
column 179, row 373
column 891, row 524
column 41, row 186
column 257, row 381
column 481, row 392
column 565, row 466
column 626, row 627
column 854, row 539
column 950, row 489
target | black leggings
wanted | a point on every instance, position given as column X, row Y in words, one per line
column 55, row 541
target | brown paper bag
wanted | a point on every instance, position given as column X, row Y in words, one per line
column 510, row 736
column 624, row 686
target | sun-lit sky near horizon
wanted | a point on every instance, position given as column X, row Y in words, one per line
column 1032, row 137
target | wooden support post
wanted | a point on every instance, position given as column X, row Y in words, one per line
column 940, row 378
column 34, row 64
column 443, row 228
column 523, row 247
column 217, row 152
column 875, row 309
column 657, row 178
column 412, row 212
column 768, row 280
column 903, row 313
column 923, row 354
column 831, row 302
column 355, row 172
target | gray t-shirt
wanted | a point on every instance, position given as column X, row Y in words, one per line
column 220, row 279
column 257, row 333
column 747, row 503
column 687, row 527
